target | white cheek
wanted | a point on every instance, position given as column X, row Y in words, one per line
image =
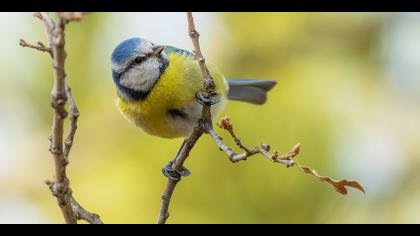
column 152, row 68
column 142, row 78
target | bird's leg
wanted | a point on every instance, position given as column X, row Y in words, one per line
column 208, row 99
column 170, row 172
column 174, row 174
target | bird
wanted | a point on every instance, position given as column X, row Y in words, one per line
column 157, row 87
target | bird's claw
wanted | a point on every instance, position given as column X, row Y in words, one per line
column 207, row 99
column 174, row 174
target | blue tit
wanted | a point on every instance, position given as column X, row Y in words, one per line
column 157, row 86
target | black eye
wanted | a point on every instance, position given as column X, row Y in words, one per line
column 139, row 60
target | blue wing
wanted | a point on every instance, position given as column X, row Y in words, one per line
column 173, row 50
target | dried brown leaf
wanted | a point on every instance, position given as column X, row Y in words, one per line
column 224, row 123
column 339, row 185
column 292, row 153
column 286, row 159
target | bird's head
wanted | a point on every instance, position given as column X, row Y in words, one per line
column 137, row 65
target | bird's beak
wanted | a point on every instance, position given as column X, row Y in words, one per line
column 157, row 50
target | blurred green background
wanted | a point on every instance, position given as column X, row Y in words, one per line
column 348, row 91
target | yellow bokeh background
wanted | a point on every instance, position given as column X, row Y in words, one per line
column 348, row 91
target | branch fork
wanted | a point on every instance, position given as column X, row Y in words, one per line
column 60, row 147
column 207, row 99
column 60, row 96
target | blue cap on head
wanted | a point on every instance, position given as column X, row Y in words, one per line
column 125, row 50
column 135, row 84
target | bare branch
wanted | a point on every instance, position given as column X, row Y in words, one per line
column 49, row 23
column 194, row 35
column 40, row 46
column 207, row 99
column 339, row 185
column 61, row 186
column 74, row 115
column 175, row 168
column 175, row 172
column 263, row 149
column 74, row 16
column 83, row 214
column 60, row 95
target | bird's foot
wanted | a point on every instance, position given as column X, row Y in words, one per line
column 207, row 99
column 174, row 174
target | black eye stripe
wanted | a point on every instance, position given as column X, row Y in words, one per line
column 140, row 59
column 136, row 61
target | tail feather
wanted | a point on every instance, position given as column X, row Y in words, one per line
column 250, row 90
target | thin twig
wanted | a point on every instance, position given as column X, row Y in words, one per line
column 205, row 125
column 49, row 23
column 263, row 149
column 205, row 121
column 287, row 159
column 83, row 214
column 74, row 115
column 194, row 35
column 40, row 46
column 177, row 164
column 60, row 95
column 207, row 99
column 74, row 16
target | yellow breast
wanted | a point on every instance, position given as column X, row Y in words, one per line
column 176, row 89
